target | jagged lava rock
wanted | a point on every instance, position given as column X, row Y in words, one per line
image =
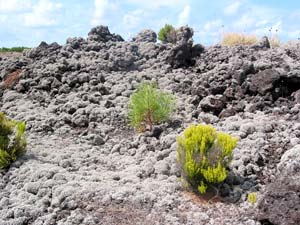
column 280, row 203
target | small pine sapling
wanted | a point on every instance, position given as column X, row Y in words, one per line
column 148, row 106
column 203, row 155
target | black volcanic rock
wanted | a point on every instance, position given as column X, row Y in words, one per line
column 281, row 201
column 102, row 34
column 146, row 35
column 264, row 81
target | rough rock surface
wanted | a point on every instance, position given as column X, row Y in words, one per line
column 102, row 34
column 84, row 165
column 281, row 202
column 146, row 36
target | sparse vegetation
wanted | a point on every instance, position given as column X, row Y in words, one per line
column 252, row 197
column 149, row 106
column 12, row 140
column 12, row 79
column 204, row 155
column 274, row 42
column 167, row 34
column 273, row 38
column 13, row 49
column 233, row 39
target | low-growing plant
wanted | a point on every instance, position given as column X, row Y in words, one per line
column 234, row 39
column 13, row 49
column 12, row 140
column 167, row 34
column 204, row 155
column 252, row 197
column 148, row 106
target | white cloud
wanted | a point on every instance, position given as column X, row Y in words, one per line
column 8, row 6
column 277, row 26
column 213, row 25
column 43, row 14
column 184, row 16
column 133, row 19
column 157, row 3
column 100, row 9
column 232, row 9
column 261, row 23
column 3, row 18
column 295, row 14
column 211, row 32
column 294, row 34
column 103, row 10
column 245, row 22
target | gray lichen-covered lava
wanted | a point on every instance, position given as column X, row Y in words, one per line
column 84, row 165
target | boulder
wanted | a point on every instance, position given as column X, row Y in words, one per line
column 296, row 96
column 102, row 34
column 264, row 81
column 212, row 103
column 75, row 42
column 280, row 203
column 43, row 50
column 184, row 35
column 264, row 42
column 197, row 49
column 146, row 35
column 181, row 54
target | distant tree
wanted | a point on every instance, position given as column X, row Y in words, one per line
column 13, row 49
column 167, row 34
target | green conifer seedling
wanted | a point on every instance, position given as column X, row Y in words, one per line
column 148, row 106
column 204, row 155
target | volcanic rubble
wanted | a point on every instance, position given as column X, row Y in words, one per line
column 85, row 165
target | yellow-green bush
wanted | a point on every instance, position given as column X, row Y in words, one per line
column 12, row 140
column 252, row 197
column 233, row 39
column 204, row 155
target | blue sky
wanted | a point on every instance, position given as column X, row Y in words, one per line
column 28, row 22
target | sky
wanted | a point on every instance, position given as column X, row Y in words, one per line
column 28, row 22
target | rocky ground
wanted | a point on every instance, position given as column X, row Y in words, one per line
column 84, row 165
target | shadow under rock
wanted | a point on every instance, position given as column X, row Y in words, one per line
column 232, row 189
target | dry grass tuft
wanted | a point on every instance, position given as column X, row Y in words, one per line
column 275, row 42
column 12, row 79
column 234, row 39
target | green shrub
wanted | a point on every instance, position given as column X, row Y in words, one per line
column 13, row 49
column 12, row 140
column 149, row 106
column 167, row 34
column 204, row 155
